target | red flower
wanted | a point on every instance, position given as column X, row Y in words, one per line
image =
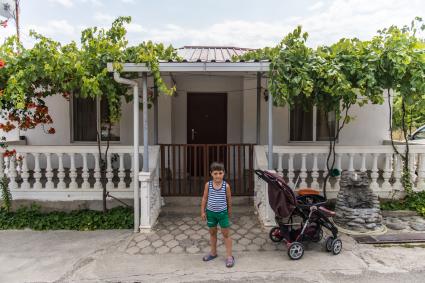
column 9, row 153
column 7, row 127
column 51, row 131
column 66, row 95
column 3, row 23
column 2, row 63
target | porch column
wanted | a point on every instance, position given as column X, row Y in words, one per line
column 145, row 123
column 258, row 106
column 136, row 156
column 155, row 114
column 270, row 125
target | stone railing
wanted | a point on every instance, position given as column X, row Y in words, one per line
column 71, row 172
column 307, row 164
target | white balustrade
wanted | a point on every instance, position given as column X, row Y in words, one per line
column 49, row 172
column 109, row 174
column 374, row 175
column 383, row 165
column 68, row 172
column 279, row 164
column 398, row 162
column 325, row 171
column 97, row 174
column 61, row 172
column 291, row 173
column 72, row 172
column 85, row 173
column 387, row 173
column 303, row 171
column 121, row 172
column 339, row 167
column 25, row 185
column 315, row 172
column 37, row 172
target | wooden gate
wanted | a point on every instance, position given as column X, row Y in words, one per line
column 185, row 167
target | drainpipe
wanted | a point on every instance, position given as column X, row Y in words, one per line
column 121, row 80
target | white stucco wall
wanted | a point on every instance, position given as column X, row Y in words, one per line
column 370, row 126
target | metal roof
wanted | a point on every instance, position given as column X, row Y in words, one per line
column 210, row 53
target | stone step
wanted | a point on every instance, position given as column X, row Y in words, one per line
column 177, row 206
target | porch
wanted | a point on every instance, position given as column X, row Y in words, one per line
column 60, row 173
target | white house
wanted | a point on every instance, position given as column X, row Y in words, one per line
column 220, row 112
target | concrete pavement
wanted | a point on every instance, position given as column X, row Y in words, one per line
column 100, row 256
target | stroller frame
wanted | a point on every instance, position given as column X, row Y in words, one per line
column 313, row 215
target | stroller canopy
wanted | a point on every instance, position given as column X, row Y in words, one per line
column 282, row 199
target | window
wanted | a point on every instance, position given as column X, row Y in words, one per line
column 311, row 124
column 87, row 120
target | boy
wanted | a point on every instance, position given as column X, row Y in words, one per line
column 216, row 208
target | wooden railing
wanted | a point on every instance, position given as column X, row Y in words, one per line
column 185, row 167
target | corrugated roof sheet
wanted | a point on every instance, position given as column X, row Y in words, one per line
column 210, row 53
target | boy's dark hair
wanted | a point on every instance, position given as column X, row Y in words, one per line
column 217, row 166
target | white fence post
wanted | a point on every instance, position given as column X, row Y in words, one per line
column 146, row 183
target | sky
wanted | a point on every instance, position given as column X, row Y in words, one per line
column 237, row 23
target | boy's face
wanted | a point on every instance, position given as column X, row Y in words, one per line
column 217, row 175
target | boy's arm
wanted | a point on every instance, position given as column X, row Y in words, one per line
column 229, row 199
column 204, row 199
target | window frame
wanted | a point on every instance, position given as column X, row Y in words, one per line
column 314, row 127
column 98, row 124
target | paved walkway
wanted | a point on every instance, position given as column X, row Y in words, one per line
column 189, row 234
column 172, row 253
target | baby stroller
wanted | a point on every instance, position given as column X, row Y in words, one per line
column 309, row 207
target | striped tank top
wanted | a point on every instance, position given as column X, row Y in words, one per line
column 217, row 201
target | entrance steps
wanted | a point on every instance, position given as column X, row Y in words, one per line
column 192, row 206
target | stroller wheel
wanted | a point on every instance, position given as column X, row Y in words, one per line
column 336, row 246
column 328, row 243
column 296, row 250
column 275, row 235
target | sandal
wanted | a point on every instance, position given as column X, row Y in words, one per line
column 230, row 261
column 209, row 257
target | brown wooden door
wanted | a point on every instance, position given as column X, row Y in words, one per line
column 206, row 118
column 206, row 124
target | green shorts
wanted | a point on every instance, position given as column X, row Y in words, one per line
column 214, row 218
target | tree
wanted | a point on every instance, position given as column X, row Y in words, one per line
column 49, row 68
column 402, row 71
column 332, row 78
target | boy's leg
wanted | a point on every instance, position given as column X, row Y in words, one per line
column 213, row 240
column 227, row 241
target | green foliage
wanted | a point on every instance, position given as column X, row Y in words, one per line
column 415, row 115
column 33, row 218
column 401, row 55
column 414, row 201
column 6, row 196
column 49, row 68
column 332, row 78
